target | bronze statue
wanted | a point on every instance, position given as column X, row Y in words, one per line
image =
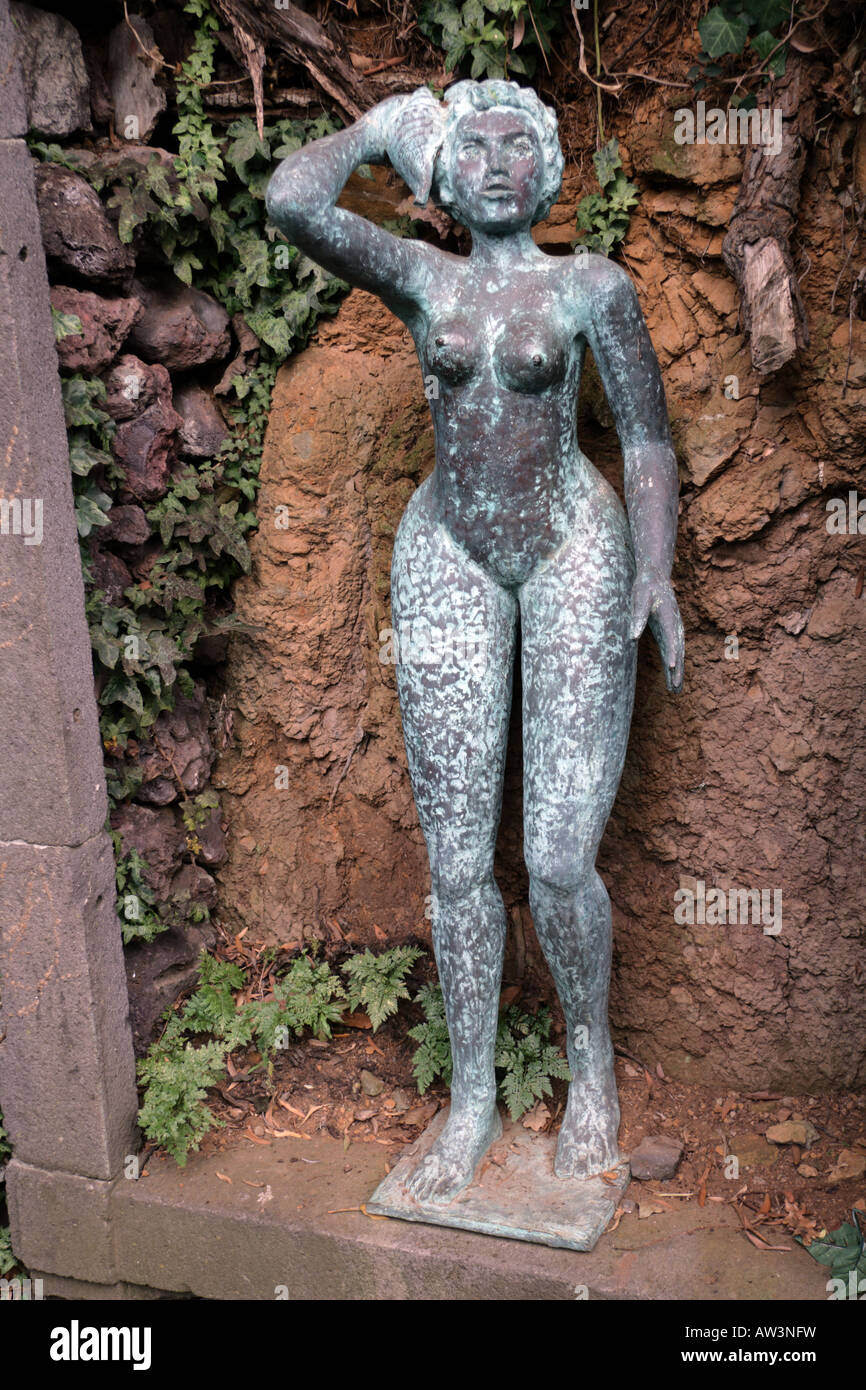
column 514, row 525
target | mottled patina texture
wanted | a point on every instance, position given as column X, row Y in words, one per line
column 514, row 527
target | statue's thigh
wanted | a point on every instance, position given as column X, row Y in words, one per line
column 454, row 633
column 578, row 669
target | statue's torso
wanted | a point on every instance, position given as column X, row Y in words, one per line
column 502, row 357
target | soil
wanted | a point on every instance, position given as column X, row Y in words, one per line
column 320, row 1086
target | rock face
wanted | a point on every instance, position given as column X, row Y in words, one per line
column 56, row 88
column 132, row 385
column 144, row 448
column 105, row 323
column 203, row 430
column 180, row 327
column 753, row 779
column 76, row 231
column 180, row 752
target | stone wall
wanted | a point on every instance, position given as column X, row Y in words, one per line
column 753, row 778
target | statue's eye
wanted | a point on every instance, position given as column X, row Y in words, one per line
column 471, row 147
column 522, row 147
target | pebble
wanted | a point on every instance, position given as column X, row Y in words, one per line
column 656, row 1157
column 371, row 1085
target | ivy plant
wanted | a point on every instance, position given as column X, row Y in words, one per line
column 495, row 38
column 604, row 217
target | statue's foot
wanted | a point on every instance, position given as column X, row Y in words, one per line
column 588, row 1137
column 455, row 1155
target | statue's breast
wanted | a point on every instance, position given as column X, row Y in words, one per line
column 527, row 353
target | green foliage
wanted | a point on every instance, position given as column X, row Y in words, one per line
column 5, row 1146
column 433, row 1054
column 502, row 38
column 525, row 1060
column 136, row 899
column 732, row 26
column 65, row 325
column 604, row 217
column 378, row 983
column 89, row 431
column 173, row 1113
column 311, row 996
column 175, row 1074
column 8, row 1261
column 842, row 1250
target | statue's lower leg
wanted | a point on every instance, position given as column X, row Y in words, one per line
column 574, row 927
column 469, row 941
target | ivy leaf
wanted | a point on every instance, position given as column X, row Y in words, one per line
column 722, row 32
column 65, row 325
column 606, row 161
column 91, row 509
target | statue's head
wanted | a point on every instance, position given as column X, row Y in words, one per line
column 500, row 166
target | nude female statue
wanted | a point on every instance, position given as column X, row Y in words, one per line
column 514, row 525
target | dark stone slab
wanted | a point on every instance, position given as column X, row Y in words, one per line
column 52, row 786
column 67, row 1083
column 13, row 110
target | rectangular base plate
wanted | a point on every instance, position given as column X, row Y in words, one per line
column 514, row 1193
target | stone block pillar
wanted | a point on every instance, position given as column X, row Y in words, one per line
column 67, row 1078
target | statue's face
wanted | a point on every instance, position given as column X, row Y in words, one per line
column 497, row 170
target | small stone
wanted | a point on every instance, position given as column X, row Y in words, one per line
column 807, row 1171
column 753, row 1151
column 656, row 1157
column 56, row 86
column 402, row 1100
column 203, row 430
column 144, row 448
column 76, row 230
column 364, row 1115
column 127, row 525
column 132, row 385
column 371, row 1085
column 105, row 325
column 850, row 1164
column 179, row 327
column 793, row 1132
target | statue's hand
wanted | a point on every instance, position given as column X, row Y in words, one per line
column 653, row 600
column 411, row 130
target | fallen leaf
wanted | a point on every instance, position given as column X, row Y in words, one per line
column 223, row 1177
column 645, row 1209
column 538, row 1118
column 254, row 1138
column 357, row 1020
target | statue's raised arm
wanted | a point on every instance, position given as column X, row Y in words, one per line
column 302, row 196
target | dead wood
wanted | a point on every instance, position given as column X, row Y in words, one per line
column 756, row 248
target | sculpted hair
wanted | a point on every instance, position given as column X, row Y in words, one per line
column 465, row 97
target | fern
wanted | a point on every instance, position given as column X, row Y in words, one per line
column 433, row 1054
column 378, row 983
column 526, row 1060
column 312, row 997
column 173, row 1113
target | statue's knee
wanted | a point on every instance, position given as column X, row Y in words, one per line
column 456, row 878
column 560, row 875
